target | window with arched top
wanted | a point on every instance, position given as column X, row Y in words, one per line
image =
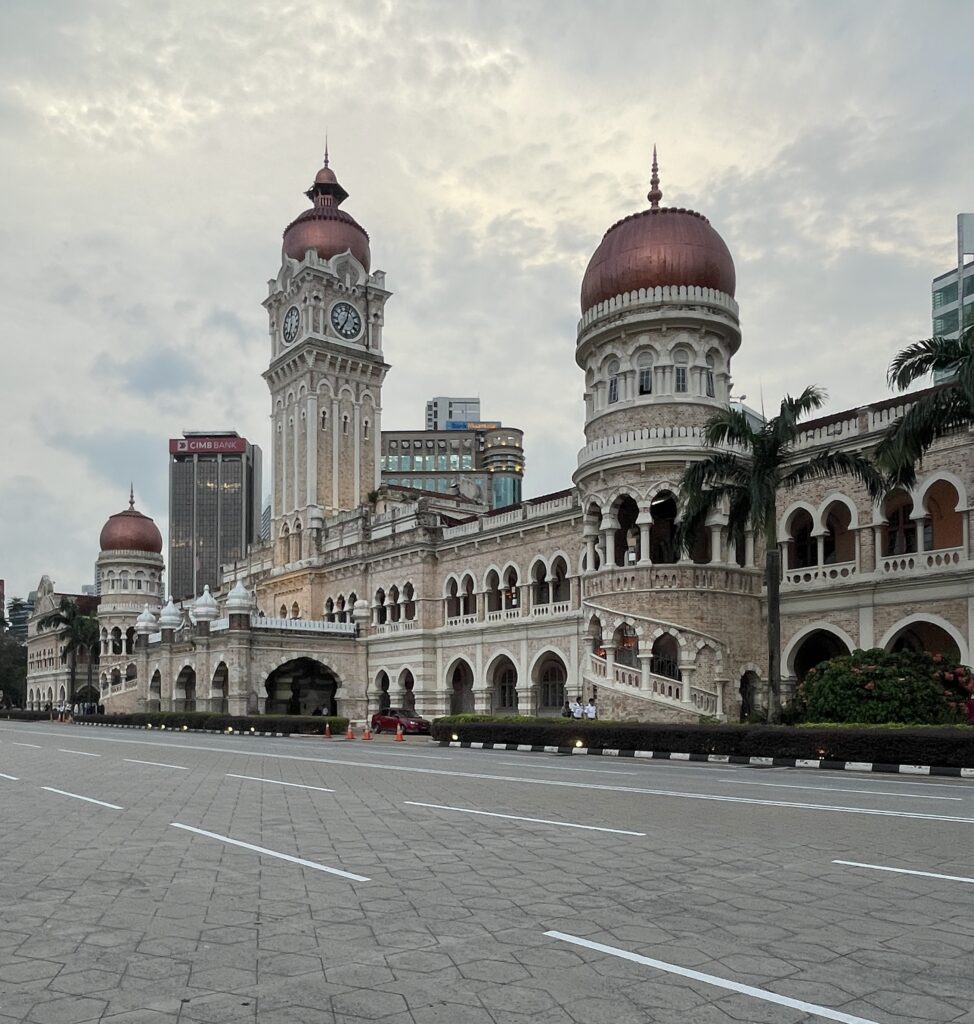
column 324, row 419
column 345, row 424
column 365, row 430
column 644, row 366
column 283, row 612
column 613, row 373
column 681, row 361
column 295, row 611
column 711, row 388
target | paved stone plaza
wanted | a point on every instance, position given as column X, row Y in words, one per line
column 646, row 892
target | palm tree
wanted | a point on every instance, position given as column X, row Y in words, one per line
column 934, row 413
column 79, row 633
column 745, row 477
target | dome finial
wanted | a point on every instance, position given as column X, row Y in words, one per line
column 654, row 195
column 326, row 147
column 131, row 495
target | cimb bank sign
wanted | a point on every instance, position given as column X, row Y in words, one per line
column 206, row 445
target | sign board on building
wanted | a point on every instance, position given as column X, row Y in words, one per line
column 206, row 445
column 472, row 425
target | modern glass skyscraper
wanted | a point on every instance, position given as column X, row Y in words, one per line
column 214, row 507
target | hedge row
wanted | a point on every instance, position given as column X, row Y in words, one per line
column 286, row 724
column 948, row 747
column 19, row 715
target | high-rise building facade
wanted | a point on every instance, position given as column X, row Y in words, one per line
column 444, row 410
column 952, row 293
column 214, row 506
column 484, row 461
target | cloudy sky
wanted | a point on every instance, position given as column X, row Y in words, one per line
column 153, row 152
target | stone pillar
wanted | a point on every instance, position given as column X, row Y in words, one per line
column 590, row 553
column 645, row 522
column 312, row 447
column 336, row 441
column 645, row 683
column 285, row 508
column 686, row 682
column 749, row 548
column 715, row 529
column 610, row 660
column 820, row 549
column 918, row 520
column 609, row 526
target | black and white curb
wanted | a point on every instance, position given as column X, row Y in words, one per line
column 177, row 728
column 756, row 762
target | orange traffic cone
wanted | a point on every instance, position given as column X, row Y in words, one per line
column 399, row 736
column 366, row 732
column 327, row 730
column 350, row 735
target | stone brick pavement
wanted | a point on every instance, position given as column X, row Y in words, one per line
column 115, row 916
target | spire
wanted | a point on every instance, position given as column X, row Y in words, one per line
column 131, row 495
column 326, row 147
column 654, row 195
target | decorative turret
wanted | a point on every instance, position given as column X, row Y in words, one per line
column 145, row 623
column 239, row 606
column 205, row 610
column 171, row 617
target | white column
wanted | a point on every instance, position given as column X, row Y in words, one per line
column 312, row 450
column 284, row 505
column 715, row 552
column 749, row 548
column 357, row 455
column 336, row 440
column 296, row 470
column 820, row 550
column 610, row 661
column 918, row 520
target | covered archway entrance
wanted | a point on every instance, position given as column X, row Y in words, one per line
column 220, row 689
column 925, row 636
column 184, row 690
column 299, row 687
column 818, row 646
column 550, row 678
column 461, row 693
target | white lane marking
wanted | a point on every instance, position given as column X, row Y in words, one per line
column 837, row 789
column 87, row 799
column 271, row 853
column 83, row 753
column 905, row 871
column 517, row 817
column 713, row 797
column 13, row 778
column 557, row 768
column 156, row 764
column 712, row 979
column 36, row 746
column 276, row 782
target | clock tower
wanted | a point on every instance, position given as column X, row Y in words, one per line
column 325, row 311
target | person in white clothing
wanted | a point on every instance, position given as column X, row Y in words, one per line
column 578, row 708
column 589, row 709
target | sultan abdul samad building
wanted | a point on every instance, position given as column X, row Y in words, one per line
column 366, row 588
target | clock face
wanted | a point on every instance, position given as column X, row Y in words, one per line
column 290, row 325
column 345, row 319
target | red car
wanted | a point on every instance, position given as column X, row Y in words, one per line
column 387, row 721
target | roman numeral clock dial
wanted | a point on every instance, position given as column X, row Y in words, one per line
column 290, row 325
column 345, row 320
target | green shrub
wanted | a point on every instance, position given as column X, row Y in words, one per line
column 878, row 687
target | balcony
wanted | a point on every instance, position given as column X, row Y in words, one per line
column 403, row 626
column 921, row 562
column 548, row 610
column 811, row 575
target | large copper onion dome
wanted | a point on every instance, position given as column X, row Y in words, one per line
column 658, row 247
column 325, row 228
column 130, row 530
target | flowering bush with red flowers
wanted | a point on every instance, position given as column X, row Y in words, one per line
column 879, row 686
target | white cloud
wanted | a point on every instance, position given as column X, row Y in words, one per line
column 154, row 153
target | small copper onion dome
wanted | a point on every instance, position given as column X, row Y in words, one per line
column 325, row 228
column 655, row 248
column 130, row 530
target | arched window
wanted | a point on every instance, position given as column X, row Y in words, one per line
column 900, row 535
column 324, row 419
column 295, row 611
column 681, row 360
column 329, row 610
column 711, row 391
column 613, row 372
column 365, row 430
column 345, row 424
column 283, row 611
column 645, row 367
